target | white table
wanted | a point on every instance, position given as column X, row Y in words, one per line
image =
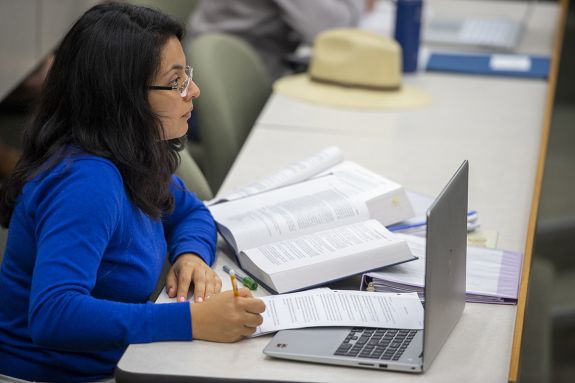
column 495, row 123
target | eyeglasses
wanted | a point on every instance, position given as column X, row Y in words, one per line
column 183, row 88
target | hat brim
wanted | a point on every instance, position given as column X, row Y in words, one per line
column 303, row 88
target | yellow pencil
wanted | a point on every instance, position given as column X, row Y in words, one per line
column 234, row 283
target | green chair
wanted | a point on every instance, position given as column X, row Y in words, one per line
column 192, row 176
column 234, row 86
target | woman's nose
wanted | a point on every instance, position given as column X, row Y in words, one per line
column 193, row 91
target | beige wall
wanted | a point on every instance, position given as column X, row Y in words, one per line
column 29, row 30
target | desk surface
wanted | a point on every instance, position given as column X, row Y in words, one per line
column 495, row 123
column 457, row 360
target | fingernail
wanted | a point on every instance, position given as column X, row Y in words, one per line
column 170, row 291
column 181, row 299
column 208, row 297
column 200, row 299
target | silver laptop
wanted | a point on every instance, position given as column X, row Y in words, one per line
column 393, row 349
column 485, row 32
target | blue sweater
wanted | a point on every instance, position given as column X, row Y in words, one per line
column 80, row 264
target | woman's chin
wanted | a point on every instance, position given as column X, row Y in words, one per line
column 176, row 132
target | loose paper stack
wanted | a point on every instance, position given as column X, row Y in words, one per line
column 492, row 275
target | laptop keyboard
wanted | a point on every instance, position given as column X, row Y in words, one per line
column 375, row 343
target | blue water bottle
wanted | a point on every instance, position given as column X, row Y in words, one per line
column 407, row 31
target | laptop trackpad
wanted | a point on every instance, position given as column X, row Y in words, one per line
column 313, row 341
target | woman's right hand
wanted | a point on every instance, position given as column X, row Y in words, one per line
column 226, row 318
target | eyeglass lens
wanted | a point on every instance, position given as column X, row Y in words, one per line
column 186, row 84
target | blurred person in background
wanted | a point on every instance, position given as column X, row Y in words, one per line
column 275, row 28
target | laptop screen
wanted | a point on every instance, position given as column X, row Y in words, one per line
column 446, row 248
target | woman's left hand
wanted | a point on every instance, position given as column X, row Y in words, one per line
column 191, row 269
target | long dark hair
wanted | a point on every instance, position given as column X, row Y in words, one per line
column 95, row 98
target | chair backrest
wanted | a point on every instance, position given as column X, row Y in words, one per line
column 193, row 177
column 234, row 87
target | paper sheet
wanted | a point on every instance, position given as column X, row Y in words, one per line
column 325, row 307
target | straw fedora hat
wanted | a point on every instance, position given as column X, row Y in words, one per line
column 353, row 68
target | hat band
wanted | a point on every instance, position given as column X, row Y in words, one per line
column 352, row 85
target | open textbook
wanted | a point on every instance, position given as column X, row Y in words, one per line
column 492, row 275
column 327, row 224
column 325, row 307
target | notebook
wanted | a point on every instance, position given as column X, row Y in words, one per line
column 397, row 349
column 502, row 65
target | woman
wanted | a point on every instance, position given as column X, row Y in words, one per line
column 93, row 208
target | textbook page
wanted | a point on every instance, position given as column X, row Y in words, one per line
column 361, row 179
column 294, row 173
column 324, row 256
column 325, row 307
column 289, row 212
column 322, row 246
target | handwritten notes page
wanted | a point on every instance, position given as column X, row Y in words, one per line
column 325, row 307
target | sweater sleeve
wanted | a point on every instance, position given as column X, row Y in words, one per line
column 190, row 228
column 76, row 213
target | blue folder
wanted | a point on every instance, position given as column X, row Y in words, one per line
column 480, row 64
